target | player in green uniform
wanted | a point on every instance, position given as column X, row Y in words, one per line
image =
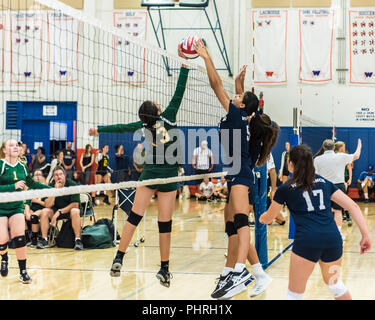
column 14, row 176
column 156, row 166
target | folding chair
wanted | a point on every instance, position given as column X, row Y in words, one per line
column 87, row 207
column 125, row 200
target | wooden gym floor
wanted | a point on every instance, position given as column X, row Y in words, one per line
column 197, row 258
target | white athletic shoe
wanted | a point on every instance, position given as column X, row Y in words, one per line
column 261, row 284
column 233, row 292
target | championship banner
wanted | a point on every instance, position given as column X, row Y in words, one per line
column 269, row 46
column 62, row 58
column 126, row 68
column 26, row 36
column 316, row 44
column 362, row 47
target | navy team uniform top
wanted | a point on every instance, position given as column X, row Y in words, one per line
column 313, row 218
column 236, row 119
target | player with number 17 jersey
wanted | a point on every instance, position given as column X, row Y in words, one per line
column 312, row 214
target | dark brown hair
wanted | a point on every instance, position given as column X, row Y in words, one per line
column 87, row 148
column 263, row 136
column 304, row 171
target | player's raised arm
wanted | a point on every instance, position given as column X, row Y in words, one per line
column 213, row 76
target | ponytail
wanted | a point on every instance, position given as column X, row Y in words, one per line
column 263, row 136
column 148, row 114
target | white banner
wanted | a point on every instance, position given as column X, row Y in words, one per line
column 316, row 44
column 362, row 47
column 129, row 59
column 63, row 40
column 269, row 46
column 26, row 38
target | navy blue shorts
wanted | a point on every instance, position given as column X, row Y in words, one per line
column 245, row 181
column 314, row 254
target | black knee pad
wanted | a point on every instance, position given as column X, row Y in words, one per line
column 230, row 229
column 3, row 247
column 34, row 219
column 165, row 227
column 134, row 218
column 19, row 241
column 240, row 220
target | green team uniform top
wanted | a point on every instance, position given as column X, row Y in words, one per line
column 64, row 201
column 156, row 162
column 9, row 175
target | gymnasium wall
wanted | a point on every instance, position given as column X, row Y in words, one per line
column 314, row 136
column 327, row 103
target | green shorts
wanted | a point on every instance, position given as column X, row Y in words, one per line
column 11, row 212
column 160, row 172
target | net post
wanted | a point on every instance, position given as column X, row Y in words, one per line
column 294, row 141
column 115, row 218
column 260, row 206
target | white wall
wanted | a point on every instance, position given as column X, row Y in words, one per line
column 102, row 102
column 318, row 100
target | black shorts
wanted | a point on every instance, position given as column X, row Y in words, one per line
column 62, row 215
column 314, row 254
column 341, row 186
column 102, row 173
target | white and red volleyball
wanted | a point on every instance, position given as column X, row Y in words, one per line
column 187, row 47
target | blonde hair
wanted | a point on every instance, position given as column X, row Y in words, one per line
column 339, row 145
column 2, row 154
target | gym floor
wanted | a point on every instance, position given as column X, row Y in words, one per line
column 197, row 258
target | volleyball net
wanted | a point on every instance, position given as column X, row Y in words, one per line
column 63, row 72
column 314, row 131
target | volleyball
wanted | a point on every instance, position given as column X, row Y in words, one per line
column 187, row 47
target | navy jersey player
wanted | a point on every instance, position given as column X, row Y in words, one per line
column 317, row 239
column 248, row 137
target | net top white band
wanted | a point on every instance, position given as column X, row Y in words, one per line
column 56, row 192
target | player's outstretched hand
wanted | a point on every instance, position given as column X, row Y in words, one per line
column 241, row 75
column 201, row 49
column 180, row 53
column 93, row 132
